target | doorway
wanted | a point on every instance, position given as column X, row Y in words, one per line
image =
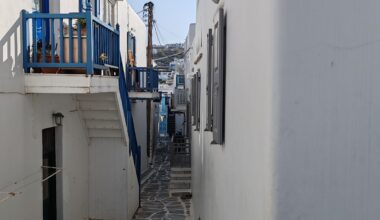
column 49, row 187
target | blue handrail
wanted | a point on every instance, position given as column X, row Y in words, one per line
column 142, row 79
column 133, row 145
column 63, row 45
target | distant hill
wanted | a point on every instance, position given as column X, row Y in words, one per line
column 168, row 51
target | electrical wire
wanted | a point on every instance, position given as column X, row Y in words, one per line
column 17, row 190
column 155, row 29
column 168, row 31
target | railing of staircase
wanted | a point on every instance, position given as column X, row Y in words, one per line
column 142, row 79
column 133, row 145
column 67, row 41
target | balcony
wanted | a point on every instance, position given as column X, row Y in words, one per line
column 142, row 83
column 72, row 43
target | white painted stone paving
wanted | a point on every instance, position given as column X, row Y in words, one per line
column 156, row 204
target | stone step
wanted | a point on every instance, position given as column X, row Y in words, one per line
column 180, row 185
column 181, row 178
column 185, row 175
column 187, row 169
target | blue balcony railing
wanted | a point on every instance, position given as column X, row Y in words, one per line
column 73, row 42
column 142, row 79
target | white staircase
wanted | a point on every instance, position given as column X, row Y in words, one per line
column 102, row 115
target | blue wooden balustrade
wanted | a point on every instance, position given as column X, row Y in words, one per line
column 59, row 41
column 134, row 148
column 141, row 79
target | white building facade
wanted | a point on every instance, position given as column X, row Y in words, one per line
column 94, row 176
column 297, row 137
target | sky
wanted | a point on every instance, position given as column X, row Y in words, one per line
column 172, row 16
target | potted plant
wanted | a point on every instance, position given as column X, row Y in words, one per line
column 48, row 57
column 82, row 22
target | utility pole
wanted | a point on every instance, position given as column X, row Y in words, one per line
column 148, row 8
column 149, row 53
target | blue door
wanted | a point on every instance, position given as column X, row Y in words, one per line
column 44, row 7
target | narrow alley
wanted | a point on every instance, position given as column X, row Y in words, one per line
column 160, row 198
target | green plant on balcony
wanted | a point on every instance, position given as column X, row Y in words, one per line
column 82, row 23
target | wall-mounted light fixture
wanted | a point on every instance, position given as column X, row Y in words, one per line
column 57, row 118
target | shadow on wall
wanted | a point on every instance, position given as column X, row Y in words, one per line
column 11, row 52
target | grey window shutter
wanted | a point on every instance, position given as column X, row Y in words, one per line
column 209, row 80
column 193, row 99
column 198, row 95
column 218, row 117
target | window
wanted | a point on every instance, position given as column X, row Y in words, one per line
column 209, row 80
column 94, row 5
column 198, row 116
column 109, row 12
column 218, row 79
column 196, row 100
column 131, row 48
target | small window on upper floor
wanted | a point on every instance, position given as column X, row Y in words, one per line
column 109, row 12
column 94, row 6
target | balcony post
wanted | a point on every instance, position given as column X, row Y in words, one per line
column 25, row 43
column 90, row 40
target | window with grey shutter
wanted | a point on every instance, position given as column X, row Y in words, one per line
column 218, row 81
column 209, row 80
column 193, row 100
column 198, row 100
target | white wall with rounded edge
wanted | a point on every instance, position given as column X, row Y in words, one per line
column 130, row 21
column 235, row 181
column 301, row 103
column 140, row 121
column 22, row 120
column 327, row 94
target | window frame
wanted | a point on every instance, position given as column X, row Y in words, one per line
column 219, row 84
column 209, row 79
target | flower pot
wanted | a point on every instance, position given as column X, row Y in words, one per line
column 48, row 59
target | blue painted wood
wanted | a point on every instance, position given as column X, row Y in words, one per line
column 150, row 84
column 133, row 145
column 61, row 37
column 71, row 42
column 90, row 42
column 56, row 65
column 109, row 27
column 52, row 41
column 102, row 39
column 43, row 41
column 56, row 16
column 34, row 37
column 25, row 42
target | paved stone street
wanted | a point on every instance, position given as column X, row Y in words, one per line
column 155, row 200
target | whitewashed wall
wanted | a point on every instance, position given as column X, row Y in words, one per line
column 22, row 120
column 24, row 116
column 234, row 181
column 140, row 121
column 327, row 99
column 301, row 103
column 108, row 178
